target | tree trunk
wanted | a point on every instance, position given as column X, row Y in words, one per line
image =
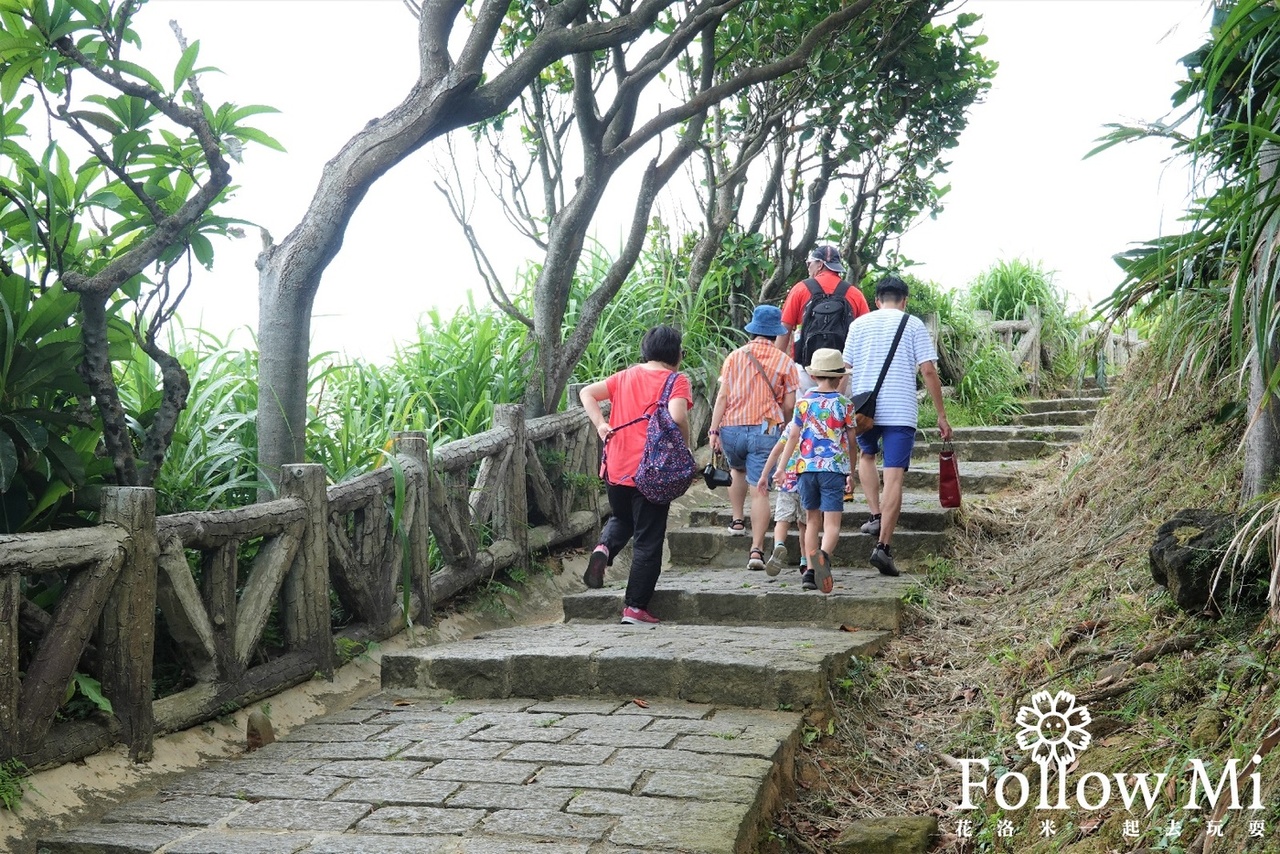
column 1262, row 442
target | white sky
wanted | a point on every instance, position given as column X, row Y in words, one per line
column 1019, row 186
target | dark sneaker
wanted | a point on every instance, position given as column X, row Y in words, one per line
column 777, row 560
column 883, row 561
column 594, row 576
column 638, row 617
column 756, row 562
column 871, row 526
column 822, row 571
column 807, row 582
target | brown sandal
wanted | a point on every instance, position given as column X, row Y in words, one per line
column 756, row 561
column 737, row 527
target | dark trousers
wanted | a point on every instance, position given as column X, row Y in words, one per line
column 636, row 516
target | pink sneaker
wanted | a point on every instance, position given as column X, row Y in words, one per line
column 594, row 576
column 638, row 617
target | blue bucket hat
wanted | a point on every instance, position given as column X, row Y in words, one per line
column 766, row 320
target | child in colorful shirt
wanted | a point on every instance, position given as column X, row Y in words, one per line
column 822, row 428
column 786, row 508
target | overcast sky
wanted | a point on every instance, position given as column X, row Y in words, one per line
column 1019, row 185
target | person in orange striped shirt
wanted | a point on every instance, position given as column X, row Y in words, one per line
column 757, row 394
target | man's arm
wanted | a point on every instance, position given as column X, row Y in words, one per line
column 783, row 342
column 933, row 384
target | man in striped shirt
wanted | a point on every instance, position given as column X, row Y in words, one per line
column 757, row 394
column 865, row 350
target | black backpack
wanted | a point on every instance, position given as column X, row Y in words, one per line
column 825, row 321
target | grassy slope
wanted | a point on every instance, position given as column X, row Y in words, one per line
column 1050, row 589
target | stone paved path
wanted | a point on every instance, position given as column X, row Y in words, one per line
column 586, row 736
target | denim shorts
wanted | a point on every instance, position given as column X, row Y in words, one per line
column 822, row 490
column 898, row 444
column 748, row 447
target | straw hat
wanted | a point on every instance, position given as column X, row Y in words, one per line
column 827, row 363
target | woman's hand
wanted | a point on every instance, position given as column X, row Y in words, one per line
column 604, row 431
column 713, row 439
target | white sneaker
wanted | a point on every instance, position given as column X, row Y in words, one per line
column 777, row 560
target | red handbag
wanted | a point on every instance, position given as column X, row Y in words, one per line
column 948, row 477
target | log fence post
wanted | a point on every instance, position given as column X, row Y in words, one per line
column 416, row 445
column 511, row 512
column 304, row 604
column 127, row 628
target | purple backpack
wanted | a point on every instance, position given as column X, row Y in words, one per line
column 666, row 464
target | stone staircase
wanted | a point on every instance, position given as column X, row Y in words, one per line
column 590, row 736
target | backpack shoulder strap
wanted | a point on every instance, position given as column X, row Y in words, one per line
column 841, row 289
column 815, row 289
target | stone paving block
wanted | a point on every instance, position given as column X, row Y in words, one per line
column 280, row 751
column 387, row 790
column 190, row 810
column 490, row 719
column 561, row 754
column 205, row 782
column 541, row 671
column 496, row 796
column 365, row 768
column 716, row 726
column 115, row 838
column 246, row 842
column 631, row 722
column 400, row 698
column 651, row 809
column 254, row 764
column 701, row 787
column 413, row 821
column 459, row 726
column 309, row 787
column 376, row 749
column 636, row 671
column 526, row 845
column 519, row 734
column 487, row 706
column 467, row 771
column 760, row 746
column 334, row 732
column 542, row 824
column 668, row 709
column 431, row 751
column 604, row 778
column 427, row 715
column 577, row 706
column 298, row 815
column 684, row 760
column 624, row 738
column 384, row 844
column 705, row 837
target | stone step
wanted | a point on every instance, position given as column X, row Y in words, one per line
column 1056, row 417
column 976, row 477
column 1059, row 404
column 861, row 598
column 715, row 548
column 1010, row 433
column 920, row 512
column 401, row 772
column 751, row 666
column 991, row 451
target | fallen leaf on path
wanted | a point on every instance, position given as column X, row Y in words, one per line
column 845, row 627
column 403, row 703
column 641, row 703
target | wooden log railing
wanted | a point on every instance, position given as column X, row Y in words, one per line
column 222, row 581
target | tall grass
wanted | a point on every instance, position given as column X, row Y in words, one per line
column 1009, row 288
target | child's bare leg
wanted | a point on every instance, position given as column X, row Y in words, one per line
column 830, row 531
column 813, row 519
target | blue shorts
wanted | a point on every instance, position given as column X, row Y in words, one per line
column 822, row 490
column 898, row 444
column 748, row 447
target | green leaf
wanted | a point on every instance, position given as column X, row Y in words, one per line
column 32, row 433
column 255, row 135
column 8, row 460
column 185, row 64
column 92, row 689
